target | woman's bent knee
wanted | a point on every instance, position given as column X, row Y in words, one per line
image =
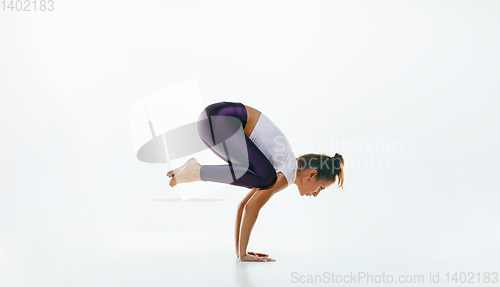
column 267, row 180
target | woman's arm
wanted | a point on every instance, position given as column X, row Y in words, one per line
column 239, row 214
column 251, row 211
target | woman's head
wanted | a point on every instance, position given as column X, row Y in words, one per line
column 318, row 171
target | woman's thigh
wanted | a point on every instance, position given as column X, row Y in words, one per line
column 221, row 126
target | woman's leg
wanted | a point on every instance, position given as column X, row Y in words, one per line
column 220, row 126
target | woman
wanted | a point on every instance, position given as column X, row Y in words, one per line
column 259, row 157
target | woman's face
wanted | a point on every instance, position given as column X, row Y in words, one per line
column 309, row 185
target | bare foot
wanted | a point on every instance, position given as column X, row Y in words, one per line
column 176, row 170
column 188, row 172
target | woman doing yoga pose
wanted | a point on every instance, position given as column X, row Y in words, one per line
column 260, row 158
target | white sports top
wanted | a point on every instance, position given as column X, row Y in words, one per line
column 274, row 145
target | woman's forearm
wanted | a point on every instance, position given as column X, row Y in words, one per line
column 247, row 223
column 251, row 211
column 239, row 214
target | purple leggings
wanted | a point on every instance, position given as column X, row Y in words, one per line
column 220, row 127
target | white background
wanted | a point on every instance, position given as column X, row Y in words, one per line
column 78, row 209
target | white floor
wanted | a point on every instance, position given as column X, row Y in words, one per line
column 166, row 242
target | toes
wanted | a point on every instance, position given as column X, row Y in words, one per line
column 172, row 182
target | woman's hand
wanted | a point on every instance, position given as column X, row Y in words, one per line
column 254, row 253
column 249, row 257
column 258, row 254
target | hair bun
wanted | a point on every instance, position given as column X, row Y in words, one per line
column 337, row 155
